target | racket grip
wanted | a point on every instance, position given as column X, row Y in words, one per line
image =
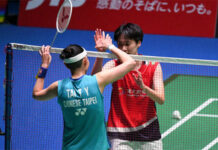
column 52, row 43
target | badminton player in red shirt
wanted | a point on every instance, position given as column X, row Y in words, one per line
column 133, row 122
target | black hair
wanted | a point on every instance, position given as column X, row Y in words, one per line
column 130, row 31
column 71, row 51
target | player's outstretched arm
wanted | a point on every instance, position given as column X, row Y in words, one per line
column 127, row 63
column 38, row 92
column 97, row 67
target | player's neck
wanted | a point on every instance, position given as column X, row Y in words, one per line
column 77, row 74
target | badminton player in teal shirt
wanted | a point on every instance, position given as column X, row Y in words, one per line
column 80, row 96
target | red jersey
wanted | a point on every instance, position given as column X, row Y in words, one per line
column 133, row 114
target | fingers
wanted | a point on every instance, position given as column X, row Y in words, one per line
column 45, row 56
column 103, row 35
column 138, row 78
column 47, row 50
column 95, row 38
column 139, row 74
column 102, row 40
column 98, row 33
column 108, row 37
column 41, row 50
column 135, row 77
column 44, row 50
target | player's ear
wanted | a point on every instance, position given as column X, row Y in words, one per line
column 139, row 44
column 85, row 60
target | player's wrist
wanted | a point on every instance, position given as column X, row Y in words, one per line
column 45, row 66
column 110, row 47
column 42, row 72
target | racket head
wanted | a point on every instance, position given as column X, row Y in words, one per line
column 64, row 16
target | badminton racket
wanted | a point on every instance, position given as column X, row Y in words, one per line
column 63, row 18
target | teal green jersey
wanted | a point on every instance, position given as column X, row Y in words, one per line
column 83, row 112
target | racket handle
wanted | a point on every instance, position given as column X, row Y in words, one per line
column 54, row 39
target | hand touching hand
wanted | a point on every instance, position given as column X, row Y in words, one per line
column 101, row 41
column 46, row 57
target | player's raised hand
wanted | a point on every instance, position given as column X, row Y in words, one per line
column 46, row 57
column 101, row 41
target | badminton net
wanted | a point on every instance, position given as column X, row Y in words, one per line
column 190, row 87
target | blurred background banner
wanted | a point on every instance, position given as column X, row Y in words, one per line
column 3, row 5
column 166, row 17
